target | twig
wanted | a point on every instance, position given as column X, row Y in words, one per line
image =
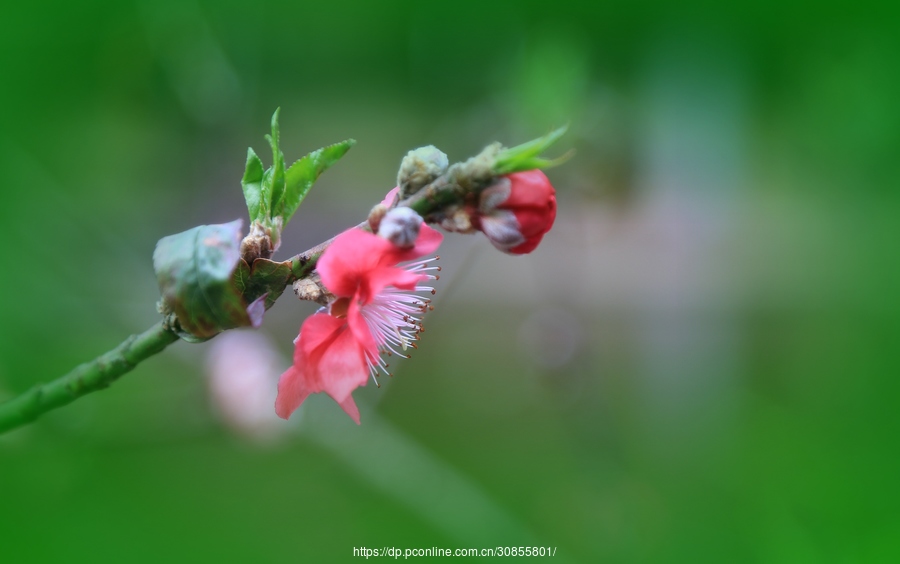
column 449, row 188
column 86, row 378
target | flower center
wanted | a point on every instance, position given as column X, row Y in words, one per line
column 394, row 317
column 339, row 307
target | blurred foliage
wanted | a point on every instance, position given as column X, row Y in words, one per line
column 699, row 363
column 527, row 156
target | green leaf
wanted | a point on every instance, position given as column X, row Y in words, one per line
column 275, row 175
column 265, row 278
column 301, row 176
column 526, row 156
column 252, row 185
column 195, row 270
column 242, row 277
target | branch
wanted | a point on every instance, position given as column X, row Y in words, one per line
column 436, row 196
column 445, row 190
column 86, row 378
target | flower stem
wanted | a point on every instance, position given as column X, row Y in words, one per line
column 86, row 378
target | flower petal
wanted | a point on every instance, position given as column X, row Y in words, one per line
column 529, row 188
column 341, row 366
column 534, row 222
column 390, row 198
column 318, row 330
column 526, row 247
column 292, row 391
column 379, row 278
column 361, row 330
column 349, row 407
column 315, row 363
column 349, row 258
column 428, row 242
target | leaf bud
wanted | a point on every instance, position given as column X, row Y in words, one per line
column 419, row 168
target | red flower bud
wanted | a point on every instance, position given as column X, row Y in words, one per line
column 517, row 210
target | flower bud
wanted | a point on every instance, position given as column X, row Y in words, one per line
column 375, row 216
column 420, row 167
column 517, row 210
column 400, row 226
column 457, row 219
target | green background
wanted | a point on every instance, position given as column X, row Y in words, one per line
column 699, row 364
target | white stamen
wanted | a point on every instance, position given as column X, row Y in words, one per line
column 394, row 317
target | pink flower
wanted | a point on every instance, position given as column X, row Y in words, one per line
column 517, row 211
column 375, row 310
column 390, row 197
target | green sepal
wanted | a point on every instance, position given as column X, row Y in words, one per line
column 195, row 274
column 275, row 174
column 526, row 156
column 265, row 278
column 301, row 175
column 252, row 183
